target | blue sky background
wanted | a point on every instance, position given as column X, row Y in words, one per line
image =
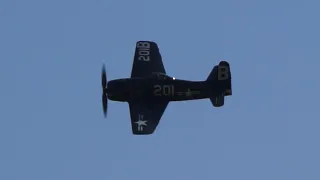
column 51, row 121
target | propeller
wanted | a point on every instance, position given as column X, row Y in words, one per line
column 104, row 90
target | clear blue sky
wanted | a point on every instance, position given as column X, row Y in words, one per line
column 52, row 126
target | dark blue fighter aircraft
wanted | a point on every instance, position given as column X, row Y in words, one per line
column 149, row 89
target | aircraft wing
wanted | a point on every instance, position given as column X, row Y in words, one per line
column 147, row 59
column 145, row 117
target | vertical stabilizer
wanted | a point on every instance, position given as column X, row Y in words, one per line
column 221, row 75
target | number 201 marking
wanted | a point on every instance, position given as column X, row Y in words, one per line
column 143, row 51
column 165, row 90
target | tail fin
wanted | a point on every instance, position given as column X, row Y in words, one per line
column 221, row 74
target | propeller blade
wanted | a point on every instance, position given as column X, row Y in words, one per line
column 105, row 104
column 104, row 91
column 104, row 77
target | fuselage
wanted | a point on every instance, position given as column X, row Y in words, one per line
column 165, row 88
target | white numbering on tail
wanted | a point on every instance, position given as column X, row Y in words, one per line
column 164, row 90
column 223, row 73
column 143, row 51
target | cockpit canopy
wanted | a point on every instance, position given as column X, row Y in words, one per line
column 163, row 76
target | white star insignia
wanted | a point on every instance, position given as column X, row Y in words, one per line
column 141, row 123
column 189, row 93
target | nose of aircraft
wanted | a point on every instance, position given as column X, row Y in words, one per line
column 110, row 89
column 115, row 88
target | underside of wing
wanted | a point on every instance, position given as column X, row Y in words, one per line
column 145, row 117
column 147, row 60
